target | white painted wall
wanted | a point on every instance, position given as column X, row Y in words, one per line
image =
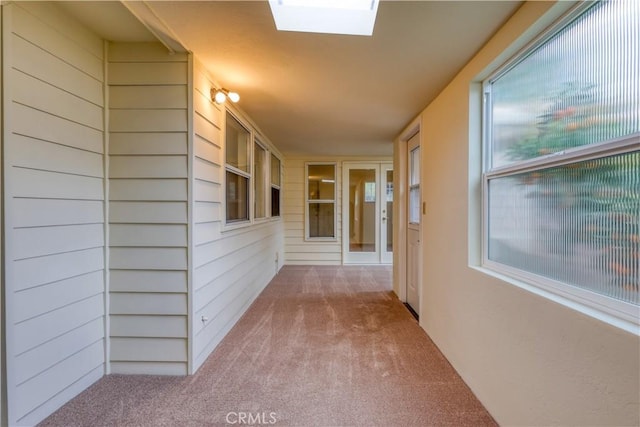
column 230, row 268
column 148, row 209
column 54, row 199
column 529, row 360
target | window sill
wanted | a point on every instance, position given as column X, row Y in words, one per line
column 616, row 313
column 226, row 227
column 321, row 239
column 248, row 224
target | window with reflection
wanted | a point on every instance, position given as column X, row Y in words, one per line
column 238, row 173
column 321, row 200
column 275, row 186
column 260, row 180
column 562, row 160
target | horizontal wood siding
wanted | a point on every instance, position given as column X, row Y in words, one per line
column 54, row 200
column 297, row 250
column 230, row 267
column 148, row 209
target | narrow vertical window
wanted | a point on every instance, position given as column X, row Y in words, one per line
column 321, row 201
column 275, row 186
column 260, row 180
column 238, row 172
column 414, row 186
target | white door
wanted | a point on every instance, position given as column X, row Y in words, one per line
column 364, row 213
column 413, row 228
column 386, row 218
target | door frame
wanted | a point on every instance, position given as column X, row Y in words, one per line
column 400, row 207
column 368, row 257
column 414, row 229
column 385, row 256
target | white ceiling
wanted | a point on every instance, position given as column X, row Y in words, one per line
column 322, row 94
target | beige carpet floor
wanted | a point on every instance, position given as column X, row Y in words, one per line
column 321, row 346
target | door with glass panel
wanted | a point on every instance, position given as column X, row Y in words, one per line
column 386, row 220
column 413, row 227
column 364, row 213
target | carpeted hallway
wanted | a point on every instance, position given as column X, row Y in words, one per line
column 321, row 346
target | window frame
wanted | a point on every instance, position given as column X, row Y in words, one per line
column 255, row 138
column 307, row 237
column 273, row 186
column 228, row 168
column 265, row 171
column 411, row 186
column 616, row 312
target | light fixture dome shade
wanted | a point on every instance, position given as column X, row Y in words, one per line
column 219, row 97
column 234, row 97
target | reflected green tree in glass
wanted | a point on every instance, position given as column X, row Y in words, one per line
column 601, row 195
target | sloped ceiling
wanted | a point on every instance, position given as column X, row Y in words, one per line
column 321, row 94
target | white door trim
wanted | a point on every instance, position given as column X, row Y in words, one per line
column 400, row 208
column 376, row 257
column 414, row 228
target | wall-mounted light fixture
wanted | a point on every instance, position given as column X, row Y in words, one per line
column 221, row 95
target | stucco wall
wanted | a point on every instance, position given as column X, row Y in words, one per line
column 531, row 361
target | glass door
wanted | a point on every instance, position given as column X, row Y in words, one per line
column 367, row 206
column 386, row 234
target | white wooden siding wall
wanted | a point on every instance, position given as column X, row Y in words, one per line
column 54, row 198
column 297, row 250
column 148, row 212
column 230, row 268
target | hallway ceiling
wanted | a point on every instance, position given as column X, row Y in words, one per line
column 325, row 94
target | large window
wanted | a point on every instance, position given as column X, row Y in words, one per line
column 562, row 161
column 321, row 201
column 238, row 172
column 252, row 175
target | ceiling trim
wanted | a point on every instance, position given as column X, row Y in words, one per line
column 156, row 25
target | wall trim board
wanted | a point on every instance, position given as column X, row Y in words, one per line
column 190, row 213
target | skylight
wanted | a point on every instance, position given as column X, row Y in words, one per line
column 352, row 17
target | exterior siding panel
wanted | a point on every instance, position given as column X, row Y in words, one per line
column 230, row 267
column 54, row 199
column 148, row 210
column 297, row 250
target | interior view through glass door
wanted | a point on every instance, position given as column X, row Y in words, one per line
column 367, row 208
column 386, row 236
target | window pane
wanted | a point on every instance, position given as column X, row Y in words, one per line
column 579, row 88
column 578, row 224
column 259, row 170
column 275, row 201
column 414, row 167
column 362, row 210
column 275, row 171
column 237, row 197
column 322, row 179
column 237, row 148
column 414, row 205
column 321, row 220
